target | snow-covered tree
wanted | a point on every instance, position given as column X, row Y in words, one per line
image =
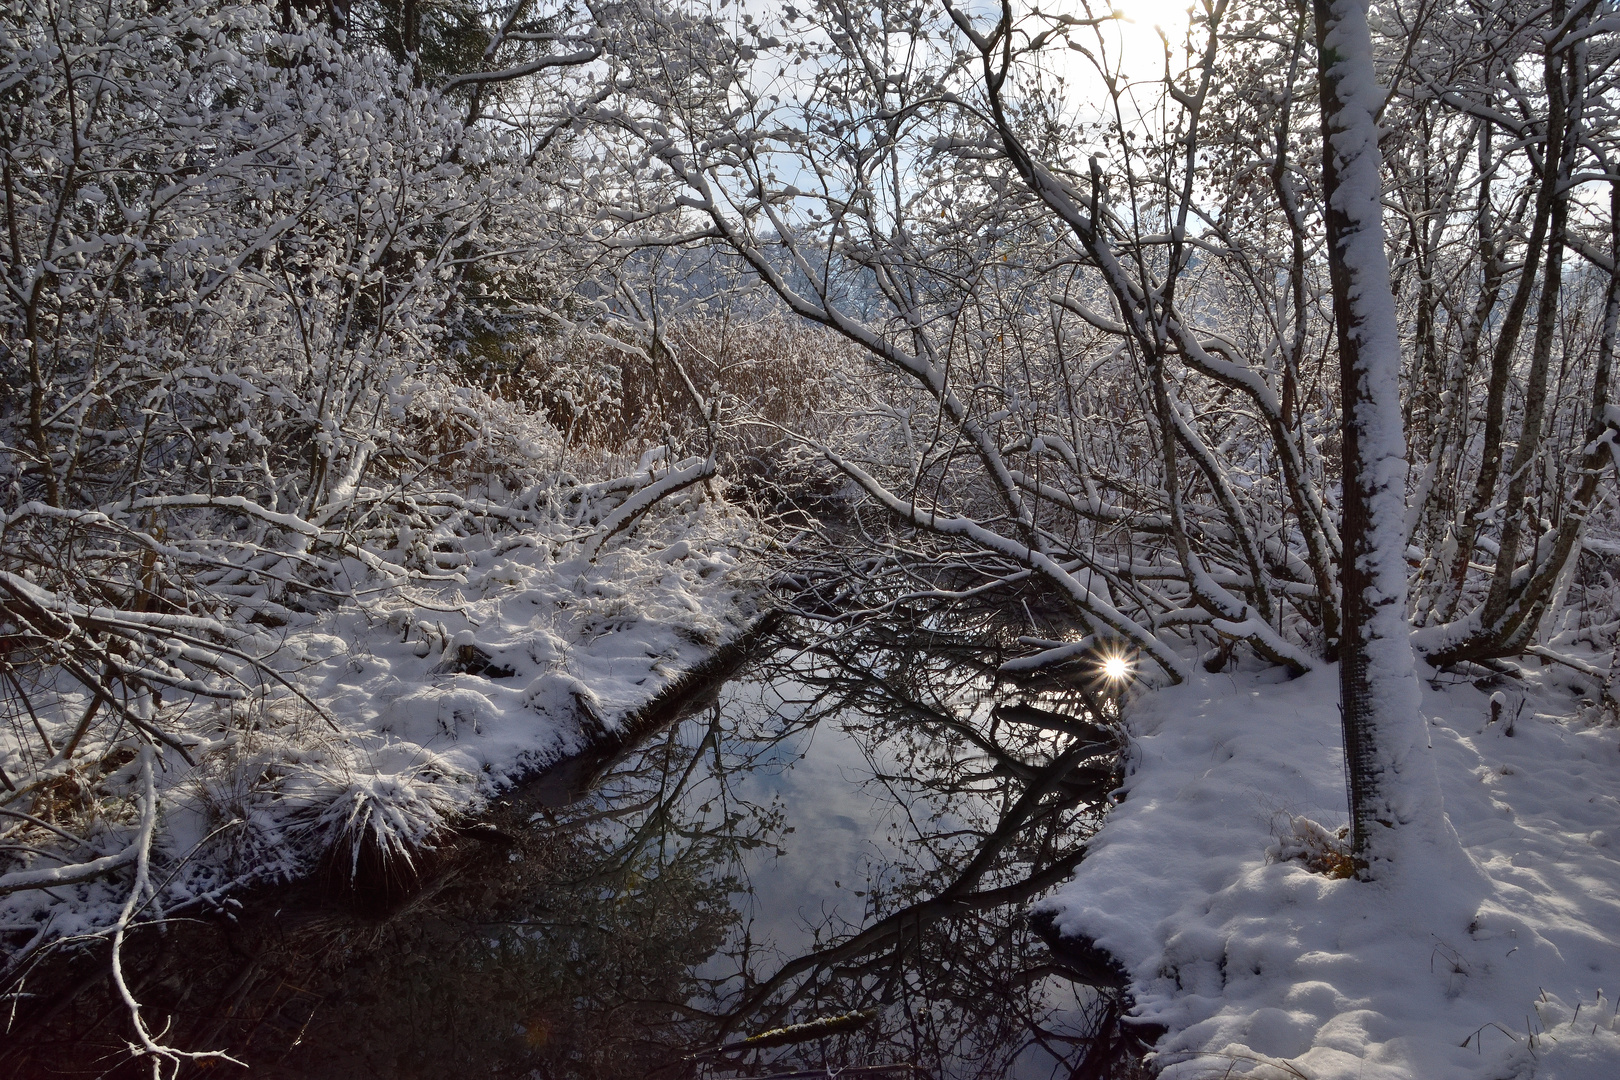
column 1391, row 783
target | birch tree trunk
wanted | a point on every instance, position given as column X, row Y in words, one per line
column 1392, row 784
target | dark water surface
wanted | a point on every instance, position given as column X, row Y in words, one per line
column 823, row 867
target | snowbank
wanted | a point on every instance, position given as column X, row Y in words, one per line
column 1503, row 964
column 437, row 695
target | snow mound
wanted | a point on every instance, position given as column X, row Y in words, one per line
column 1215, row 885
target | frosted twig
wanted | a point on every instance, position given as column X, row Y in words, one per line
column 142, row 846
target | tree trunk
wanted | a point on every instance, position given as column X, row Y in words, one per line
column 1392, row 784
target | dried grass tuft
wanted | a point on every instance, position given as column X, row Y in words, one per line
column 1323, row 852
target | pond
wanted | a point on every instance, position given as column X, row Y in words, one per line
column 823, row 866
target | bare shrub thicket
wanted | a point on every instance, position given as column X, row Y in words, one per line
column 1096, row 311
column 1291, row 344
column 767, row 373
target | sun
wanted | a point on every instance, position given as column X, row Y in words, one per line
column 1115, row 668
column 1129, row 44
column 1140, row 24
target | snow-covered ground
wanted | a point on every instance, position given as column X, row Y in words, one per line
column 450, row 695
column 1499, row 960
column 437, row 695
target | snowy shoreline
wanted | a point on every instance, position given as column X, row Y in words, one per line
column 433, row 701
column 572, row 775
column 1504, row 965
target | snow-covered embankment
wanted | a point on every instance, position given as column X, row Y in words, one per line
column 1504, row 965
column 420, row 702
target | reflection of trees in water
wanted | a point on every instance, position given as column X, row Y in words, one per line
column 606, row 940
column 990, row 807
column 568, row 950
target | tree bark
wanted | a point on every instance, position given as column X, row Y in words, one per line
column 1391, row 782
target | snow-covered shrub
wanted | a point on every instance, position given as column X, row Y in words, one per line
column 237, row 279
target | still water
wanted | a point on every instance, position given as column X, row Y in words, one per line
column 824, row 867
